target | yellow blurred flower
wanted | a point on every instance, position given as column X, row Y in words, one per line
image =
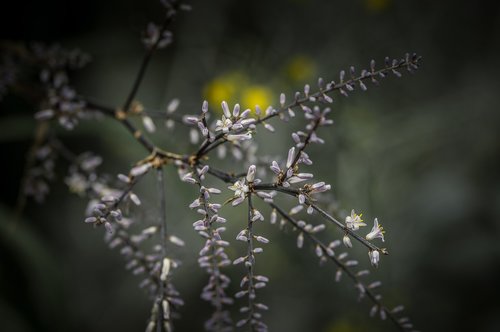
column 224, row 87
column 256, row 95
column 300, row 68
column 234, row 88
column 377, row 5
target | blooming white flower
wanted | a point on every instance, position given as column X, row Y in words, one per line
column 240, row 189
column 376, row 232
column 223, row 125
column 354, row 221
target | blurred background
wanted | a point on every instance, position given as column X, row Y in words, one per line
column 421, row 153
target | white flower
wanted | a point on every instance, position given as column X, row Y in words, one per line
column 223, row 125
column 376, row 232
column 374, row 257
column 354, row 221
column 240, row 189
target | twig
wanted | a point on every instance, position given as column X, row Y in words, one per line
column 340, row 264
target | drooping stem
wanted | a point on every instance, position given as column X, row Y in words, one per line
column 217, row 258
column 163, row 242
column 250, row 265
column 163, row 210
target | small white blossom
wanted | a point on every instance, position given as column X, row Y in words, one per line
column 223, row 125
column 354, row 221
column 376, row 232
column 240, row 189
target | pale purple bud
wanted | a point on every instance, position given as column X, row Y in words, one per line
column 296, row 209
column 44, row 115
column 341, row 76
column 275, row 167
column 148, row 124
column 300, row 240
column 338, row 275
column 397, row 309
column 194, row 137
column 239, row 137
column 175, row 240
column 282, row 99
column 319, row 251
column 173, row 105
column 261, row 239
column 247, row 122
column 236, row 110
column 291, row 155
column 140, row 169
column 109, row 227
column 245, row 114
column 302, row 198
column 225, row 109
column 123, row 178
column 347, row 241
column 258, row 111
column 134, row 198
column 191, row 120
column 251, row 173
column 318, row 228
column 203, row 170
column 204, row 107
column 239, row 260
column 307, row 88
column 269, row 127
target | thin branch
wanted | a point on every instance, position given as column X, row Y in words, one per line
column 414, row 61
column 145, row 61
column 163, row 242
column 163, row 209
column 340, row 264
column 324, row 214
column 251, row 260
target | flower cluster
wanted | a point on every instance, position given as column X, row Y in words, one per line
column 212, row 255
column 251, row 282
column 62, row 101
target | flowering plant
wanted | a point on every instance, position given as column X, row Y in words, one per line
column 256, row 182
